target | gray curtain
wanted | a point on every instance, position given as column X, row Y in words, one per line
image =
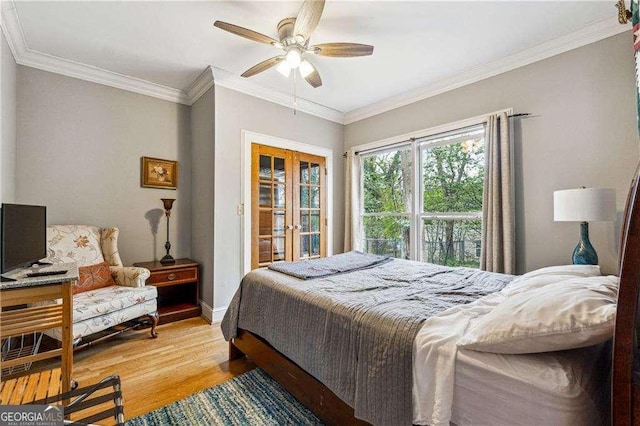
column 498, row 225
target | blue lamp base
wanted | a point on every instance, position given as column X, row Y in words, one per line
column 584, row 253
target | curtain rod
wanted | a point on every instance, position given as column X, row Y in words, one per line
column 518, row 115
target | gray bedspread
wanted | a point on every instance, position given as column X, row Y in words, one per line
column 340, row 263
column 354, row 332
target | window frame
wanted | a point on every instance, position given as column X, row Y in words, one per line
column 417, row 140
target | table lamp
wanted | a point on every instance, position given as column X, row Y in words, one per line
column 584, row 205
column 168, row 204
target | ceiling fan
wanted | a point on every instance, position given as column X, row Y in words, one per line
column 294, row 36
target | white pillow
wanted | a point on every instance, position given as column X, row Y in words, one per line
column 570, row 314
column 549, row 275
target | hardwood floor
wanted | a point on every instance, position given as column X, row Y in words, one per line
column 188, row 356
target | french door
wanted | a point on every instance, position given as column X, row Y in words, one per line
column 288, row 205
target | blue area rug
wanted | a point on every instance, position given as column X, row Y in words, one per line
column 253, row 398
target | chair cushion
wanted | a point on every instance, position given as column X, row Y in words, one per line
column 74, row 243
column 94, row 303
column 93, row 277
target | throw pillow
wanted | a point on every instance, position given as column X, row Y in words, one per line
column 93, row 277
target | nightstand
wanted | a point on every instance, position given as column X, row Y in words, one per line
column 177, row 285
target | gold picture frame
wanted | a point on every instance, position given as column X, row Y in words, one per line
column 158, row 173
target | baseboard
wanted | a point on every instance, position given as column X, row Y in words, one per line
column 218, row 313
column 212, row 315
column 207, row 312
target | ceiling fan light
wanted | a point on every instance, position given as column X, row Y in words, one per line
column 293, row 58
column 306, row 68
column 284, row 69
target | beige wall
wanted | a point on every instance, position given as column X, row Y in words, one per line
column 79, row 149
column 584, row 133
column 202, row 202
column 236, row 112
column 8, row 71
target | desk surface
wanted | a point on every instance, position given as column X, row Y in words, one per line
column 23, row 281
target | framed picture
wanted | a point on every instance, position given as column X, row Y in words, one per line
column 158, row 173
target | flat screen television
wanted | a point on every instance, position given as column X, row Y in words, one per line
column 24, row 235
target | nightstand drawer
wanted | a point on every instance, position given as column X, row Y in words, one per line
column 175, row 276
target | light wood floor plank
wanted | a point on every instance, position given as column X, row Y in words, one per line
column 188, row 356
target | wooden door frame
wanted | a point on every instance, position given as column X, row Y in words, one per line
column 244, row 208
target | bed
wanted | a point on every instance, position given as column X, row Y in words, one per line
column 474, row 385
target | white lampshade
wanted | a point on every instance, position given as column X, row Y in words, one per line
column 584, row 205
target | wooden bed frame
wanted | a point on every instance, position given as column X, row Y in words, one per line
column 625, row 395
column 303, row 386
column 625, row 392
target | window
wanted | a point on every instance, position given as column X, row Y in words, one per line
column 452, row 176
column 442, row 226
column 387, row 202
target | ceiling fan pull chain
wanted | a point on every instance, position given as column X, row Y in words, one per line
column 295, row 92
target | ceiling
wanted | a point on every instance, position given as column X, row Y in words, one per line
column 416, row 43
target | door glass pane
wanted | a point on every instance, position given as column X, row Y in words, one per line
column 278, row 249
column 278, row 169
column 304, row 246
column 265, row 194
column 315, row 244
column 265, row 222
column 278, row 195
column 315, row 221
column 315, row 197
column 388, row 235
column 315, row 173
column 264, row 250
column 265, row 167
column 304, row 197
column 304, row 172
column 305, row 221
column 278, row 223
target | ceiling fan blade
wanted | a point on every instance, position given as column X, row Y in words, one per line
column 314, row 79
column 263, row 66
column 308, row 18
column 245, row 32
column 342, row 50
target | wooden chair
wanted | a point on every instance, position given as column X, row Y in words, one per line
column 85, row 405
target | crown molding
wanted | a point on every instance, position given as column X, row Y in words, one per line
column 596, row 31
column 200, row 85
column 23, row 55
column 240, row 84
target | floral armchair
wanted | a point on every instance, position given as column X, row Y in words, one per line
column 98, row 309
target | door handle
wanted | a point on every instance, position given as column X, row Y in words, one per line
column 289, row 227
column 298, row 226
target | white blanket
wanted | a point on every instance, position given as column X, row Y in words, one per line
column 435, row 346
column 435, row 358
